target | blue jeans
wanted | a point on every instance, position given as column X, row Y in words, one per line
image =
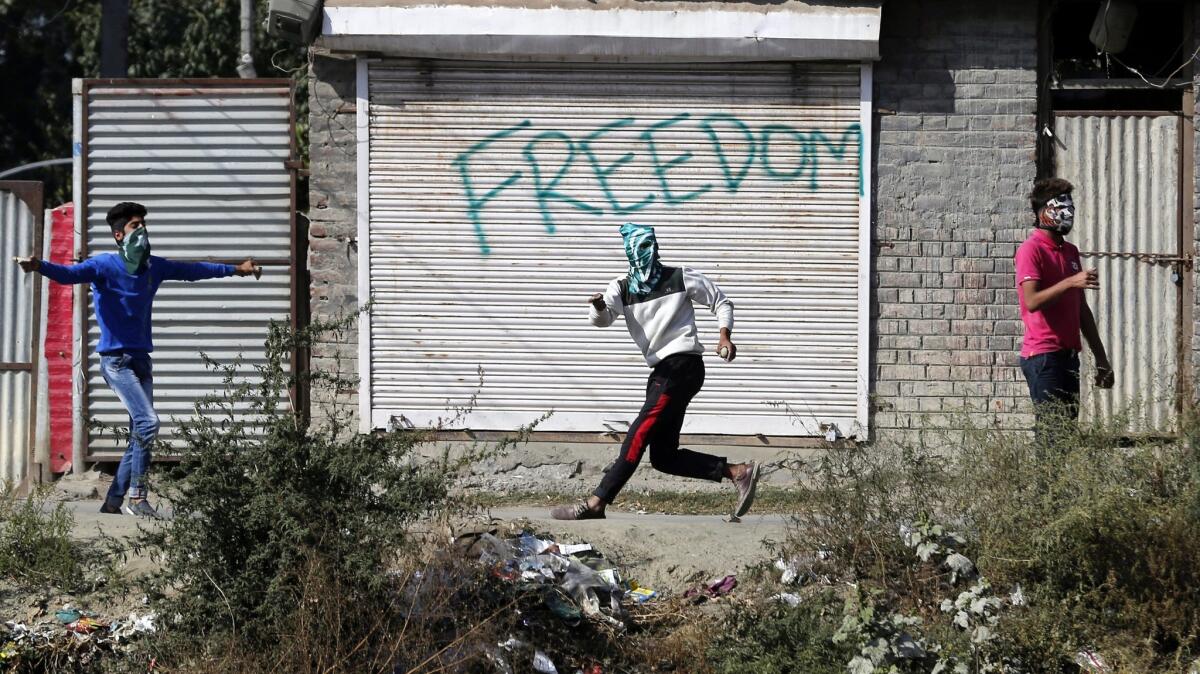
column 1053, row 380
column 131, row 377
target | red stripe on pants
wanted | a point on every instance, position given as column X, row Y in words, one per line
column 639, row 436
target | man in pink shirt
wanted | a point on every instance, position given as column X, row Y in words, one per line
column 1051, row 281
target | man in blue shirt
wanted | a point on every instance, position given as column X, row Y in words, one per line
column 123, row 289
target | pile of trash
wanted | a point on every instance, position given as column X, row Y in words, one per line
column 580, row 582
column 72, row 635
column 575, row 583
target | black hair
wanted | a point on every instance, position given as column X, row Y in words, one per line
column 122, row 213
column 1046, row 189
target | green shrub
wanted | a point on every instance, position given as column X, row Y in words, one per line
column 35, row 539
column 288, row 532
column 775, row 638
column 1099, row 532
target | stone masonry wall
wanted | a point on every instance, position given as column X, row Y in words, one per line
column 1195, row 341
column 332, row 243
column 955, row 95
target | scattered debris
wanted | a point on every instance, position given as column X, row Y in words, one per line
column 713, row 589
column 72, row 634
column 542, row 663
column 790, row 598
column 1017, row 598
column 1090, row 661
column 581, row 582
column 642, row 594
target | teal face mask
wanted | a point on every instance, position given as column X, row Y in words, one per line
column 135, row 250
column 641, row 248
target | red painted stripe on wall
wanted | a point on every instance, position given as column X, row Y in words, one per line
column 59, row 340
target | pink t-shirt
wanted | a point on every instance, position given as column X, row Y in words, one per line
column 1055, row 326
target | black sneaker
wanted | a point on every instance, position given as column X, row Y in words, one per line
column 142, row 509
column 109, row 509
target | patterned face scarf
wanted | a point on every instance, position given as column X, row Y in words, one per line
column 1058, row 215
column 135, row 249
column 642, row 250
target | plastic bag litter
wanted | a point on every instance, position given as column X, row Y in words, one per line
column 542, row 663
column 495, row 551
column 67, row 615
column 790, row 569
column 1017, row 597
column 135, row 625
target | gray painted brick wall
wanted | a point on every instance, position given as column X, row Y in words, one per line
column 955, row 93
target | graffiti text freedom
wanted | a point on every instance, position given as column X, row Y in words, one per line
column 777, row 152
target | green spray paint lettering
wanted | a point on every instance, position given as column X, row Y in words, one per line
column 762, row 149
column 476, row 204
column 661, row 168
column 603, row 172
column 545, row 192
column 733, row 180
column 807, row 145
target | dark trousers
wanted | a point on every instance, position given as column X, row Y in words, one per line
column 672, row 385
column 1053, row 380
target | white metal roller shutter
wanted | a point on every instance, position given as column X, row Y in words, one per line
column 208, row 160
column 770, row 210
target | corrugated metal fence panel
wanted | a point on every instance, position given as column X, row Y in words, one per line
column 495, row 196
column 208, row 162
column 16, row 331
column 1126, row 176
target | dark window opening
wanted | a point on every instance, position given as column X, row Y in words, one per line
column 1156, row 47
column 1148, row 73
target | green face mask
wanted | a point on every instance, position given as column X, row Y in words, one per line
column 641, row 249
column 135, row 250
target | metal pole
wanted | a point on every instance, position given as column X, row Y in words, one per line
column 246, row 60
column 114, row 38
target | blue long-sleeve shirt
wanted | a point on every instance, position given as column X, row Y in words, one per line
column 124, row 301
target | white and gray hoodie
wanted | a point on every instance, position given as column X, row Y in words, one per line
column 662, row 322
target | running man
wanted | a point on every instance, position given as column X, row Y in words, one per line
column 656, row 302
column 123, row 289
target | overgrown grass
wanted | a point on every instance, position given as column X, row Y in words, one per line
column 973, row 549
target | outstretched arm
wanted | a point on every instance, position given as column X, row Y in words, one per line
column 198, row 271
column 84, row 272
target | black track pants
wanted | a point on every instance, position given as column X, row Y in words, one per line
column 672, row 385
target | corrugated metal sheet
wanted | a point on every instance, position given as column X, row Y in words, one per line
column 764, row 200
column 16, row 333
column 1126, row 175
column 208, row 162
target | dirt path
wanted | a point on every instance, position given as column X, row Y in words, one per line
column 669, row 552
